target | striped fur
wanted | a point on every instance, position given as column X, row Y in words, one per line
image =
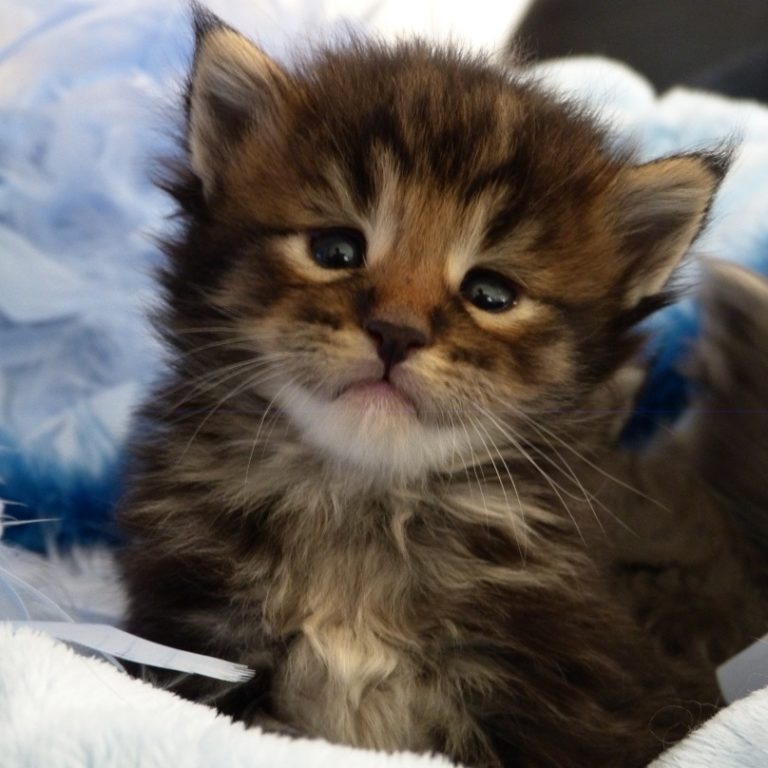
column 429, row 578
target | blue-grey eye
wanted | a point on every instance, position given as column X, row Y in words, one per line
column 489, row 290
column 338, row 249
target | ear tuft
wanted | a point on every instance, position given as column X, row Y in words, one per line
column 658, row 210
column 234, row 86
column 718, row 161
column 203, row 21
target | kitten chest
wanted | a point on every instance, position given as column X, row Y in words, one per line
column 358, row 669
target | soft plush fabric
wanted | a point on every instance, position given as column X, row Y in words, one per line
column 61, row 710
column 735, row 738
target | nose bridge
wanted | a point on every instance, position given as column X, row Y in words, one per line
column 409, row 282
column 400, row 319
column 404, row 303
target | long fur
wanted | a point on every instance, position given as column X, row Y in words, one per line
column 431, row 578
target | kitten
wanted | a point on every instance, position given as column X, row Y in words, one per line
column 406, row 285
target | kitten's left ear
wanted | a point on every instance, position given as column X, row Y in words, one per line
column 233, row 87
column 658, row 210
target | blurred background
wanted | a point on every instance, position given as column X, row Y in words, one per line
column 719, row 45
column 90, row 95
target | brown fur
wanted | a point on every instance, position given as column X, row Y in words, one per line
column 432, row 581
column 730, row 441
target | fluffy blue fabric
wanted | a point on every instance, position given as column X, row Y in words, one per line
column 85, row 92
column 80, row 502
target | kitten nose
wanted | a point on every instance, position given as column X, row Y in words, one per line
column 394, row 342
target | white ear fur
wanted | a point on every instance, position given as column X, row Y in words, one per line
column 234, row 85
column 659, row 208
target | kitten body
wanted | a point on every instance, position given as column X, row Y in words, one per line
column 730, row 444
column 375, row 481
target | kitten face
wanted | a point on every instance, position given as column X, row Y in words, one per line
column 420, row 255
column 419, row 246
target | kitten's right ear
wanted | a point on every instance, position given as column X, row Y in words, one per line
column 233, row 87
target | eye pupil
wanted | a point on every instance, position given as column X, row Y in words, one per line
column 489, row 291
column 338, row 249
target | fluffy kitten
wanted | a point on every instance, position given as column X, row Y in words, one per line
column 400, row 309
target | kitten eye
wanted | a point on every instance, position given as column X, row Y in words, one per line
column 338, row 249
column 489, row 291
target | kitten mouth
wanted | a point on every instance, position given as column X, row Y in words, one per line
column 378, row 395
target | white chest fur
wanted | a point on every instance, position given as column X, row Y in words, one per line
column 356, row 672
column 348, row 676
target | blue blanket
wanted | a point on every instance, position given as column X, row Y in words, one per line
column 88, row 90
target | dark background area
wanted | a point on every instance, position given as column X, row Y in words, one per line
column 719, row 45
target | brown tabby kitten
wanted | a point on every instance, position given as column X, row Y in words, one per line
column 405, row 288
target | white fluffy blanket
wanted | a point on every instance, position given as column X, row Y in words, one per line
column 735, row 738
column 61, row 710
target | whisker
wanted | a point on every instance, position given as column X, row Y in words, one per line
column 210, row 382
column 236, row 391
column 473, row 466
column 518, row 445
column 255, row 442
column 589, row 498
column 511, row 434
column 203, row 330
column 566, row 469
column 241, row 343
column 477, row 427
column 213, row 379
column 591, row 464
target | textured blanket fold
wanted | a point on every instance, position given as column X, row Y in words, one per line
column 61, row 710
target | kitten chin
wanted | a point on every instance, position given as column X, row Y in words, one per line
column 373, row 429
